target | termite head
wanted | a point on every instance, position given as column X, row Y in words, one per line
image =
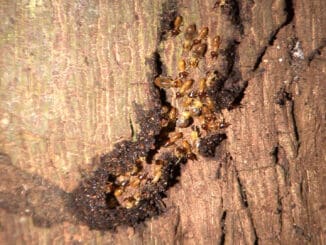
column 214, row 54
column 177, row 83
column 118, row 192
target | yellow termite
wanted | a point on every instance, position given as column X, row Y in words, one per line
column 184, row 87
column 176, row 25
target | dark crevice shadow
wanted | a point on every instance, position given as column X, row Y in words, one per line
column 32, row 195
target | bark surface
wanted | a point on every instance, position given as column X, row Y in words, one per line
column 69, row 74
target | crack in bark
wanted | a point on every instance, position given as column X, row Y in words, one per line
column 132, row 130
column 242, row 191
column 290, row 15
column 244, row 202
column 232, row 8
column 295, row 128
column 275, row 153
column 279, row 198
column 222, row 222
column 177, row 227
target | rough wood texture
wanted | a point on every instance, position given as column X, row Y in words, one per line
column 70, row 71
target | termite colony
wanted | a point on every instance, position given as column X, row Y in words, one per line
column 192, row 111
column 128, row 189
column 192, row 116
column 186, row 121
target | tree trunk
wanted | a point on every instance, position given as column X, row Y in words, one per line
column 70, row 74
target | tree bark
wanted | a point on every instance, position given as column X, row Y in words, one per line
column 70, row 72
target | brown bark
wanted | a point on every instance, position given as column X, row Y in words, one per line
column 70, row 71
